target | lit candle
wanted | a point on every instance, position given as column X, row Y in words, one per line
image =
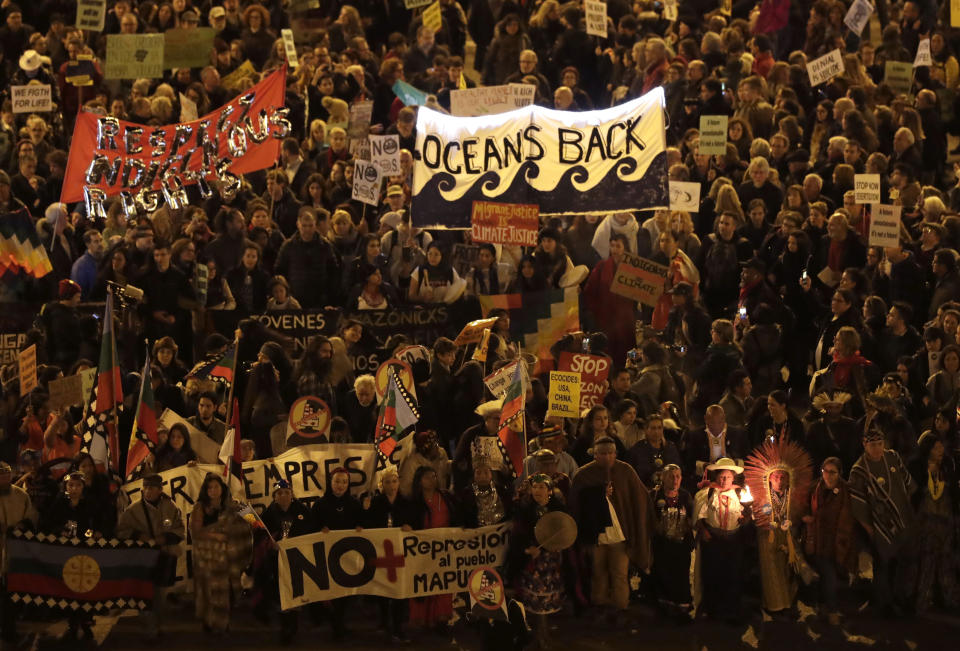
column 746, row 497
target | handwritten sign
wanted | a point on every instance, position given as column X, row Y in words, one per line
column 65, row 392
column 684, row 196
column 28, row 369
column 366, row 183
column 866, row 188
column 498, row 381
column 858, row 16
column 564, row 395
column 432, row 17
column 713, row 135
column 473, row 331
column 885, row 226
column 825, row 68
column 596, row 18
column 134, row 56
column 289, row 47
column 899, row 76
column 670, row 11
column 385, row 154
column 505, row 223
column 639, row 279
column 360, row 115
column 923, row 57
column 488, row 100
column 32, row 98
column 91, row 14
column 187, row 48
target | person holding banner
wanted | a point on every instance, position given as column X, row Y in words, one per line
column 435, row 281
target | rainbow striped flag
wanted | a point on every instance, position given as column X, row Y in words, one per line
column 75, row 574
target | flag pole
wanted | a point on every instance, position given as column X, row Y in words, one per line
column 233, row 383
column 113, row 389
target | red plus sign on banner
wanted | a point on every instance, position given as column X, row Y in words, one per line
column 389, row 560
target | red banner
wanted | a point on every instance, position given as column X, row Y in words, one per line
column 109, row 156
column 593, row 370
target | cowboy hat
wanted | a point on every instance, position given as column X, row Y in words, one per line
column 489, row 408
column 725, row 464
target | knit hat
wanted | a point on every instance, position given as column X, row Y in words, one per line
column 67, row 289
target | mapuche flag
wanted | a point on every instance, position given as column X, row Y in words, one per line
column 144, row 439
column 398, row 413
column 218, row 368
column 100, row 436
column 512, row 442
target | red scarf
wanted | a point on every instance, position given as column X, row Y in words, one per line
column 843, row 366
column 745, row 291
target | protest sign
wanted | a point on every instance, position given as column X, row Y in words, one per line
column 182, row 485
column 416, row 4
column 409, row 95
column 866, row 188
column 684, row 196
column 28, row 369
column 488, row 100
column 86, row 383
column 385, row 154
column 386, row 562
column 188, row 109
column 498, row 381
column 639, row 279
column 954, row 13
column 360, row 115
column 670, row 11
column 289, row 47
column 149, row 166
column 433, row 17
column 564, row 397
column 473, row 331
column 208, row 450
column 366, row 183
column 404, row 374
column 885, row 226
column 523, row 94
column 32, row 98
column 91, row 14
column 565, row 162
column 596, row 15
column 858, row 16
column 308, row 421
column 899, row 76
column 80, row 72
column 234, row 80
column 923, row 57
column 187, row 48
column 307, row 468
column 713, row 135
column 593, row 370
column 134, row 56
column 65, row 392
column 505, row 223
column 825, row 68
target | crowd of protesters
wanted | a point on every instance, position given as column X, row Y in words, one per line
column 778, row 321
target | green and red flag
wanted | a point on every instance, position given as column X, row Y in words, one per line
column 398, row 413
column 100, row 436
column 218, row 368
column 144, row 438
column 512, row 443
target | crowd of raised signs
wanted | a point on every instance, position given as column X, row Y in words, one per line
column 795, row 330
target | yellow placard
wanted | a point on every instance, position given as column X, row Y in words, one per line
column 432, row 17
column 564, row 394
column 955, row 13
column 28, row 369
column 234, row 79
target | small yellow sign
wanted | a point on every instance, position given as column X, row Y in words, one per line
column 564, row 395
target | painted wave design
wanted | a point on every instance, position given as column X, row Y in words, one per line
column 624, row 186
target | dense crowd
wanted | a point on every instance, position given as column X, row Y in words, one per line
column 781, row 338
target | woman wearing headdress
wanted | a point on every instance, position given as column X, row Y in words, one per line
column 222, row 546
column 720, row 517
column 486, row 500
column 536, row 573
column 672, row 543
column 778, row 476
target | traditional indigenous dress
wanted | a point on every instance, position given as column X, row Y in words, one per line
column 777, row 577
column 539, row 581
column 719, row 558
column 935, row 563
column 218, row 564
column 430, row 611
column 672, row 544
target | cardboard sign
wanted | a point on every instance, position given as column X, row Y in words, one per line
column 473, row 331
column 593, row 370
column 923, row 57
column 360, row 115
column 385, row 154
column 134, row 56
column 858, row 16
column 866, row 188
column 885, row 226
column 290, row 47
column 366, row 183
column 409, row 95
column 596, row 14
column 498, row 381
column 234, row 80
column 564, row 399
column 670, row 11
column 32, row 98
column 505, row 223
column 825, row 68
column 187, row 48
column 86, row 383
column 489, row 100
column 91, row 14
column 713, row 135
column 639, row 279
column 416, row 4
column 81, row 72
column 188, row 109
column 65, row 392
column 684, row 196
column 28, row 369
column 899, row 76
column 432, row 17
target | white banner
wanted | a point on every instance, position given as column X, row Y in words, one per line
column 596, row 14
column 306, row 468
column 386, row 562
column 183, row 486
column 568, row 163
column 858, row 16
column 366, row 183
column 32, row 98
column 823, row 69
column 489, row 100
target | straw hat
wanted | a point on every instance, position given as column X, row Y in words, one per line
column 726, row 464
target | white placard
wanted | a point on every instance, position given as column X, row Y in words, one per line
column 32, row 98
column 188, row 109
column 823, row 69
column 385, row 154
column 858, row 16
column 366, row 183
column 290, row 47
column 684, row 196
column 134, row 56
column 91, row 14
column 923, row 57
column 488, row 100
column 885, row 226
column 713, row 135
column 596, row 18
column 866, row 188
column 523, row 94
column 670, row 9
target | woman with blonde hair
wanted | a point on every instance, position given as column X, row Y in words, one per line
column 729, row 201
column 759, row 183
column 681, row 225
column 856, row 74
column 315, row 144
column 545, row 26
